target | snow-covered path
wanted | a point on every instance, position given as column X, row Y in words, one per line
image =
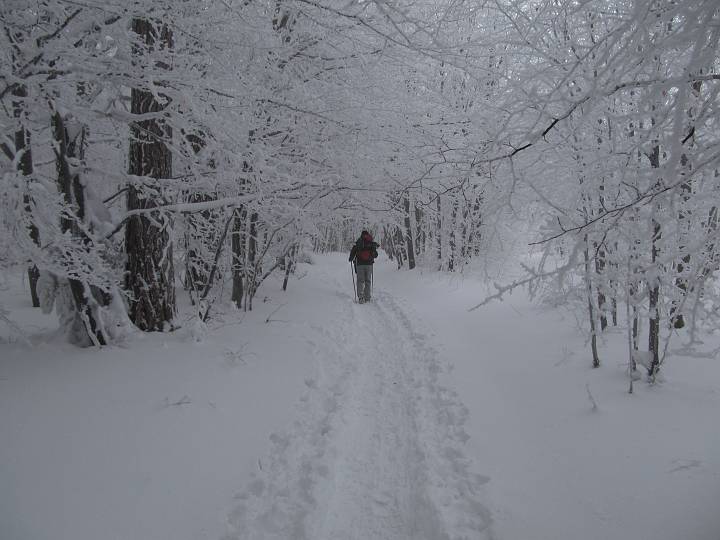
column 368, row 441
column 376, row 448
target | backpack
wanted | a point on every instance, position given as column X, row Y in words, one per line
column 364, row 249
column 364, row 255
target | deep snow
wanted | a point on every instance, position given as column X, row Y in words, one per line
column 408, row 417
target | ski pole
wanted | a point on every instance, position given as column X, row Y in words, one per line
column 352, row 275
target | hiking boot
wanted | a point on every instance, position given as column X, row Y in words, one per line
column 361, row 300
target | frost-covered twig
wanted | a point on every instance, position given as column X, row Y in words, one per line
column 535, row 276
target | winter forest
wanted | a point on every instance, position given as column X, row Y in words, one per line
column 181, row 184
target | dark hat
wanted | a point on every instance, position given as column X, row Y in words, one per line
column 364, row 232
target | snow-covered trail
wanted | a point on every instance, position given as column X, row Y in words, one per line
column 376, row 447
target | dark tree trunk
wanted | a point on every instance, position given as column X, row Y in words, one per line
column 464, row 233
column 654, row 284
column 69, row 148
column 198, row 238
column 681, row 282
column 408, row 234
column 635, row 320
column 419, row 231
column 453, row 243
column 654, row 311
column 439, row 233
column 599, row 270
column 678, row 320
column 25, row 166
column 202, row 230
column 614, row 290
column 149, row 271
column 614, row 311
column 473, row 241
column 600, row 261
column 33, row 277
column 591, row 312
column 289, row 263
column 251, row 267
column 398, row 247
column 238, row 256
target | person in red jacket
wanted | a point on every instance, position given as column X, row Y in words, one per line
column 363, row 254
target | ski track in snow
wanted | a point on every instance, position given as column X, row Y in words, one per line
column 376, row 447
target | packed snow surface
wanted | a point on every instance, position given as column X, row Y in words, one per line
column 376, row 450
column 317, row 418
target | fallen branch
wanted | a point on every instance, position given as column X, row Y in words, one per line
column 185, row 400
column 591, row 398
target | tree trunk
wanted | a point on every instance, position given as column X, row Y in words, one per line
column 636, row 328
column 251, row 265
column 654, row 283
column 474, row 238
column 591, row 311
column 238, row 256
column 453, row 242
column 464, row 233
column 399, row 247
column 201, row 233
column 289, row 263
column 68, row 155
column 614, row 311
column 653, row 308
column 149, row 270
column 439, row 233
column 419, row 231
column 599, row 270
column 25, row 166
column 408, row 234
column 681, row 281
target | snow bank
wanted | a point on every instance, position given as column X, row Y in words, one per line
column 150, row 441
column 645, row 465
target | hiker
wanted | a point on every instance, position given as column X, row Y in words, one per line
column 363, row 254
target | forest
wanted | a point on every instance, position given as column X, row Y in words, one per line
column 182, row 351
column 168, row 147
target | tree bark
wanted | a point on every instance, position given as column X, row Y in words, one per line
column 453, row 243
column 419, row 230
column 69, row 148
column 408, row 234
column 198, row 236
column 238, row 256
column 25, row 166
column 398, row 245
column 289, row 263
column 654, row 283
column 251, row 266
column 599, row 270
column 474, row 237
column 149, row 271
column 591, row 311
column 439, row 233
